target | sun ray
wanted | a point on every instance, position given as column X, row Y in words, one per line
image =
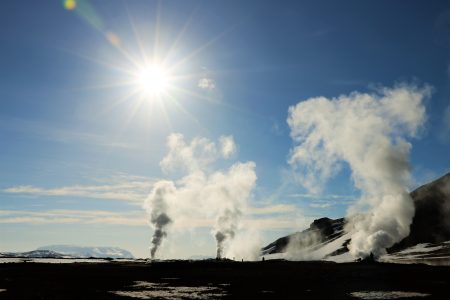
column 117, row 84
column 166, row 115
column 186, row 112
column 179, row 36
column 199, row 49
column 196, row 95
column 97, row 61
column 218, row 102
column 136, row 34
column 157, row 31
column 134, row 110
column 207, row 44
column 120, row 100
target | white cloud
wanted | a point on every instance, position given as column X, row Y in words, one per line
column 207, row 84
column 368, row 132
column 131, row 190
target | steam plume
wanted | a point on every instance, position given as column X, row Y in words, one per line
column 368, row 132
column 157, row 205
column 226, row 227
column 202, row 193
column 233, row 190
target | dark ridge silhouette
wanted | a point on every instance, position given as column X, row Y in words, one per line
column 431, row 222
column 325, row 229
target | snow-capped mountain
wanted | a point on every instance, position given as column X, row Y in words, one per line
column 85, row 252
column 69, row 251
column 428, row 241
column 34, row 254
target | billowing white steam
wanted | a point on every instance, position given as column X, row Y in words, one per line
column 196, row 156
column 157, row 204
column 202, row 193
column 231, row 192
column 368, row 132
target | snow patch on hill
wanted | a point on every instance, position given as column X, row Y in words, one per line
column 97, row 252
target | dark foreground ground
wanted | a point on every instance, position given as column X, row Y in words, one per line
column 211, row 279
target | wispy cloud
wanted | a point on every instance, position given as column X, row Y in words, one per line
column 272, row 209
column 314, row 196
column 48, row 131
column 138, row 218
column 134, row 190
column 324, row 201
column 132, row 218
column 276, row 128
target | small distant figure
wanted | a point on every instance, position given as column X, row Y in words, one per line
column 369, row 259
column 242, row 260
column 263, row 259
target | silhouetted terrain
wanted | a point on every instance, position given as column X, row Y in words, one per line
column 323, row 230
column 223, row 279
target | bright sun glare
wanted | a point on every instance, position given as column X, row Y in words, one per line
column 153, row 80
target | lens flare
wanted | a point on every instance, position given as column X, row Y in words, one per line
column 113, row 38
column 70, row 4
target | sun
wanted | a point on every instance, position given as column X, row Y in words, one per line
column 153, row 80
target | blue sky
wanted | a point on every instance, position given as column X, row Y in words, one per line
column 79, row 154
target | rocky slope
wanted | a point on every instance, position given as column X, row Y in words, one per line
column 430, row 231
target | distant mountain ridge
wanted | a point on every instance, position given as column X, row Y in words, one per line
column 97, row 252
column 34, row 254
column 327, row 239
column 71, row 251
